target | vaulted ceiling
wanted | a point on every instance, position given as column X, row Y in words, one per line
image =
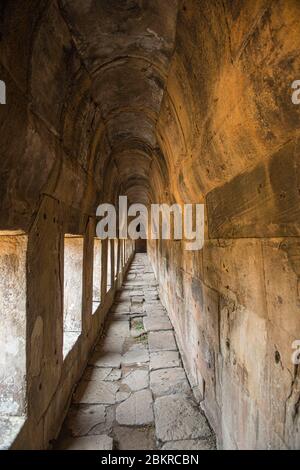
column 158, row 100
column 126, row 48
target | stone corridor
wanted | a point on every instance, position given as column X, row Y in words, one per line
column 134, row 393
column 170, row 105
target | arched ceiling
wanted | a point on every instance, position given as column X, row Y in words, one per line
column 105, row 103
column 126, row 47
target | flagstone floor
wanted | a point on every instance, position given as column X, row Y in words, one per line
column 134, row 393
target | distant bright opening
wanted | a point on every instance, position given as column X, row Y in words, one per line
column 73, row 276
column 97, row 274
column 13, row 250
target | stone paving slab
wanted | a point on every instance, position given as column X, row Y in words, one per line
column 197, row 444
column 121, row 307
column 136, row 355
column 117, row 328
column 139, row 438
column 162, row 341
column 96, row 373
column 151, row 296
column 137, row 299
column 137, row 380
column 119, row 316
column 164, row 360
column 157, row 323
column 138, row 314
column 81, row 420
column 177, row 417
column 137, row 292
column 105, row 359
column 140, row 284
column 154, row 310
column 122, row 396
column 110, row 345
column 105, row 427
column 136, row 308
column 114, row 376
column 135, row 362
column 169, row 381
column 94, row 392
column 137, row 410
column 89, row 443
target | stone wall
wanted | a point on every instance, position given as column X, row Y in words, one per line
column 54, row 149
column 49, row 373
column 229, row 133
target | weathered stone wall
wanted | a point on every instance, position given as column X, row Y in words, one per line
column 50, row 375
column 54, row 153
column 229, row 132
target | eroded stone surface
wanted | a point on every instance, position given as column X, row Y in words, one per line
column 122, row 396
column 154, row 308
column 137, row 410
column 197, row 444
column 177, row 417
column 164, row 359
column 157, row 323
column 105, row 359
column 114, row 375
column 96, row 373
column 136, row 355
column 117, row 328
column 88, row 443
column 162, row 341
column 94, row 392
column 121, row 307
column 140, row 438
column 107, row 425
column 81, row 420
column 111, row 345
column 137, row 380
column 115, row 396
column 169, row 381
